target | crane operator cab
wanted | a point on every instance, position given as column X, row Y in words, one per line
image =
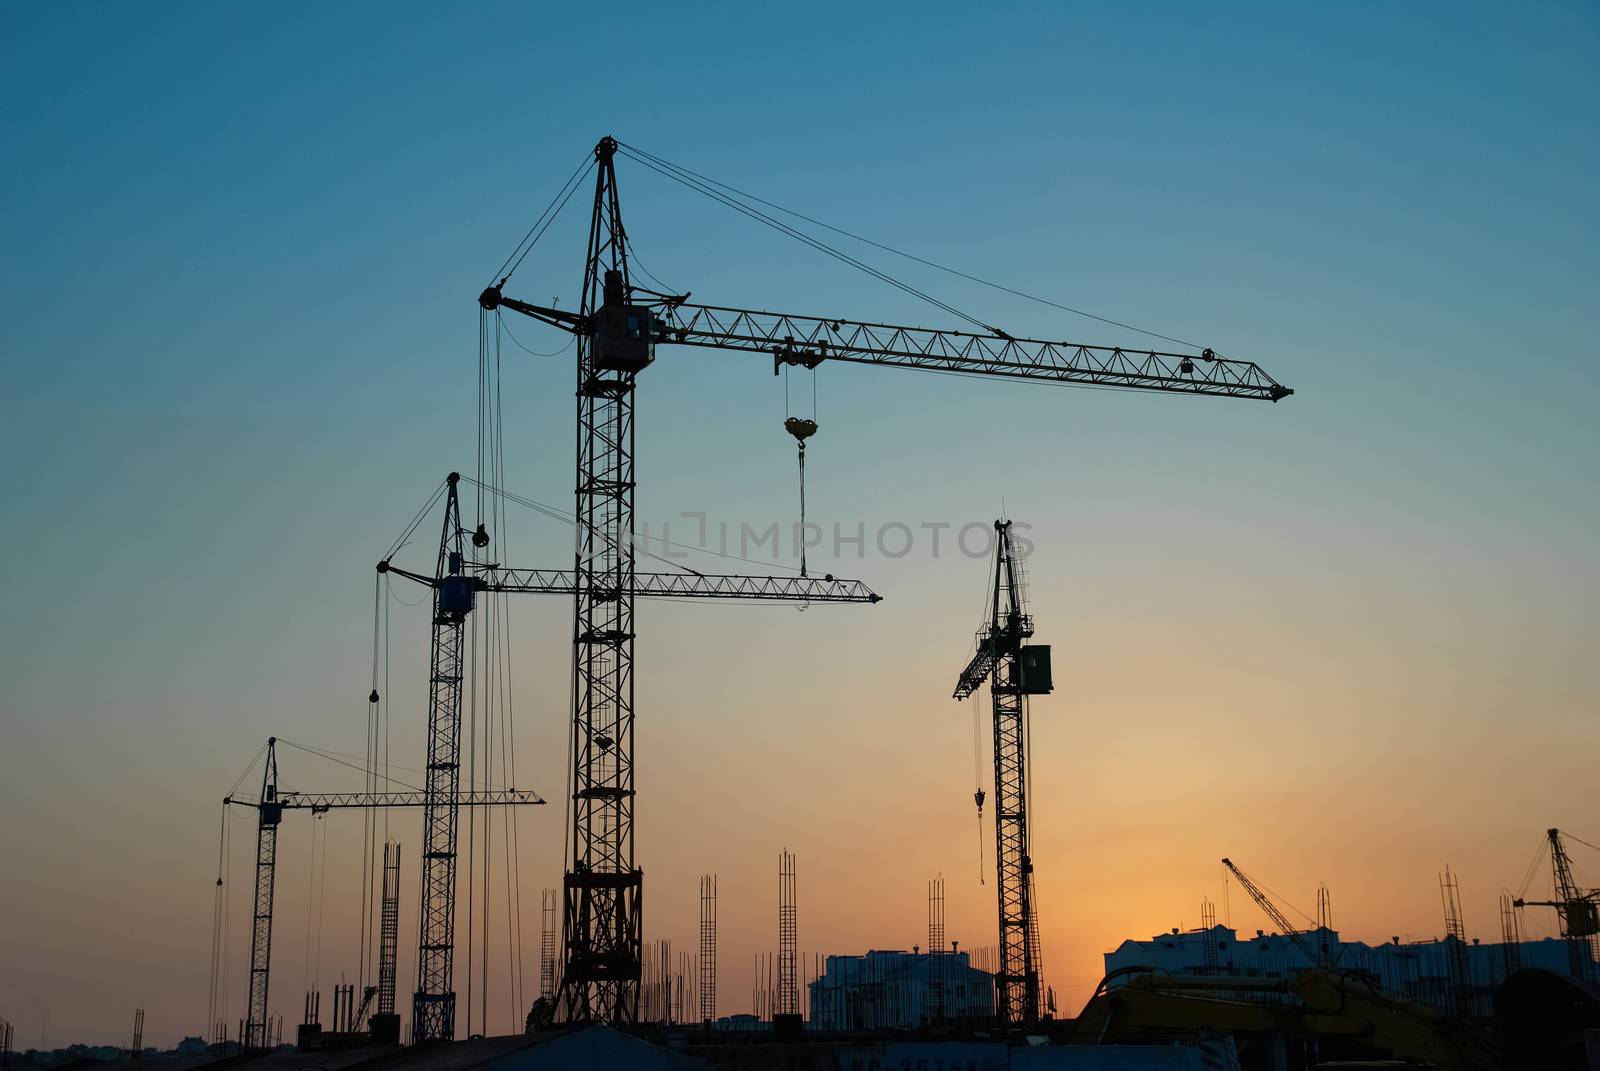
column 623, row 339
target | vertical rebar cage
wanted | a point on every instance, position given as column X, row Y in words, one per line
column 788, row 996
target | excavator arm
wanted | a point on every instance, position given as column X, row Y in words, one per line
column 1324, row 1006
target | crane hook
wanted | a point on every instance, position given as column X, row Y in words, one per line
column 802, row 429
column 977, row 797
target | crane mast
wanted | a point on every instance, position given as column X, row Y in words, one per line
column 269, row 815
column 1004, row 660
column 603, row 886
column 433, row 1005
column 617, row 327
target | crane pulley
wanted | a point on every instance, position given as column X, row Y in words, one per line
column 802, row 429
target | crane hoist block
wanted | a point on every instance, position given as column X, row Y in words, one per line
column 1036, row 678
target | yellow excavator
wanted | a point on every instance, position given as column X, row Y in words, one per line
column 1309, row 1005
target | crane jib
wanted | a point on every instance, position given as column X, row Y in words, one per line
column 810, row 340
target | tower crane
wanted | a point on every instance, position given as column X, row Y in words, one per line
column 1576, row 907
column 1279, row 919
column 269, row 808
column 1014, row 670
column 618, row 326
column 457, row 580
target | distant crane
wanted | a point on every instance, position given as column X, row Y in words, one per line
column 618, row 326
column 1576, row 907
column 457, row 580
column 1014, row 670
column 269, row 808
column 1315, row 955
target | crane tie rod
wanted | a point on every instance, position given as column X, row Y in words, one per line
column 689, row 179
column 547, row 217
column 636, row 153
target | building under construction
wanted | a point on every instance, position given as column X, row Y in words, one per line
column 897, row 990
column 1271, row 1003
column 1419, row 971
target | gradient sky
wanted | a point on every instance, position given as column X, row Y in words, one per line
column 1348, row 638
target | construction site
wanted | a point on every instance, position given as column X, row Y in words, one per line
column 609, row 986
column 447, row 644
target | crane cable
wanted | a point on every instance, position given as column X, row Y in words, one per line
column 909, row 256
column 556, row 514
column 502, row 703
column 542, row 224
column 1580, row 840
column 490, row 658
column 227, row 913
column 350, row 761
column 316, row 894
column 977, row 780
column 802, row 429
column 688, row 178
column 986, row 617
column 217, row 922
column 306, row 979
column 369, row 824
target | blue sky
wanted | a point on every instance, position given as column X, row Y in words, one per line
column 242, row 248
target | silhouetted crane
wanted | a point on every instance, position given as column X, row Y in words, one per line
column 269, row 808
column 1279, row 919
column 1013, row 670
column 1576, row 907
column 618, row 325
column 458, row 578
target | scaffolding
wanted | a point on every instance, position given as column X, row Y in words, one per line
column 1462, row 998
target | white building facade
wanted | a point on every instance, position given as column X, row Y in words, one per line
column 1418, row 970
